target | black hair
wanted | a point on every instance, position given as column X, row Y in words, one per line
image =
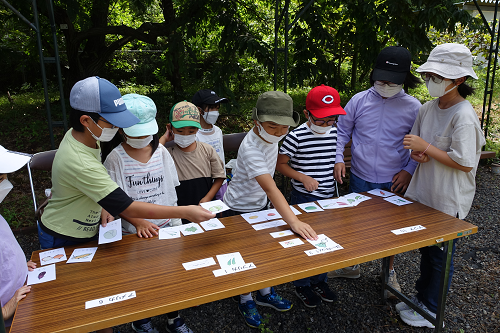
column 411, row 81
column 464, row 89
column 107, row 147
column 204, row 106
column 75, row 115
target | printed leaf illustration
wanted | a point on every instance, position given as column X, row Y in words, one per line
column 213, row 225
column 191, row 229
column 351, row 200
column 231, row 262
column 41, row 275
column 253, row 217
column 47, row 258
column 215, row 208
column 58, row 256
column 310, row 208
column 81, row 256
column 110, row 234
column 321, row 244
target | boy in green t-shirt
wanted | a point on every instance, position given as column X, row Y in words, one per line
column 83, row 194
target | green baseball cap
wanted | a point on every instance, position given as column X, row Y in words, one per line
column 275, row 106
column 185, row 114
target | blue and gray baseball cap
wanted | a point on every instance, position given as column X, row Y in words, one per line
column 98, row 95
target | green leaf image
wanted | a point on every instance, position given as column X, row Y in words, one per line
column 191, row 229
column 351, row 200
column 234, row 261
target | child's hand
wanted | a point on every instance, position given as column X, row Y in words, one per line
column 304, row 230
column 21, row 293
column 198, row 214
column 205, row 199
column 415, row 143
column 400, row 181
column 168, row 136
column 106, row 217
column 310, row 183
column 339, row 172
column 419, row 157
column 31, row 265
column 146, row 229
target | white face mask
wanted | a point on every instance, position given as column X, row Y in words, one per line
column 184, row 141
column 385, row 91
column 5, row 187
column 438, row 89
column 106, row 135
column 269, row 137
column 319, row 130
column 139, row 143
column 211, row 116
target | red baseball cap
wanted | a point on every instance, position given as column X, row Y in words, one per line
column 324, row 101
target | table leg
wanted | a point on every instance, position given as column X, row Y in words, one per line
column 385, row 278
column 443, row 289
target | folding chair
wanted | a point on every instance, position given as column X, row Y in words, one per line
column 40, row 161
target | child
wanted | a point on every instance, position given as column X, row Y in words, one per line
column 146, row 172
column 310, row 148
column 446, row 140
column 83, row 194
column 208, row 104
column 377, row 119
column 253, row 183
column 201, row 171
column 13, row 269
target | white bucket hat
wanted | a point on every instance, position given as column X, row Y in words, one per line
column 12, row 160
column 450, row 61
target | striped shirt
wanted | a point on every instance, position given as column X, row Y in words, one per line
column 314, row 156
column 255, row 158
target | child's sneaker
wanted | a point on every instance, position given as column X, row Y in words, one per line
column 348, row 273
column 413, row 318
column 323, row 290
column 179, row 326
column 145, row 328
column 308, row 296
column 274, row 301
column 402, row 306
column 250, row 313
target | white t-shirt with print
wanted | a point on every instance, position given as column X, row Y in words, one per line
column 152, row 182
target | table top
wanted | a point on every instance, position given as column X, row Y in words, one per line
column 153, row 268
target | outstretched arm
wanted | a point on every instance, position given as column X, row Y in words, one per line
column 273, row 193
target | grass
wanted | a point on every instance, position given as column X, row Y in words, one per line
column 24, row 128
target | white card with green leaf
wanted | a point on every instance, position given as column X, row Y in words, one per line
column 191, row 229
column 229, row 260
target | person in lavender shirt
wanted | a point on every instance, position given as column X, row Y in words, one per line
column 13, row 267
column 377, row 120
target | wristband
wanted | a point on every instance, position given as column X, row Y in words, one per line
column 422, row 153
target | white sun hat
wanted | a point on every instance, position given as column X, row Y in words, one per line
column 449, row 60
column 12, row 160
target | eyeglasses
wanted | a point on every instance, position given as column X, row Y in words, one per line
column 321, row 122
column 435, row 78
column 390, row 84
column 107, row 122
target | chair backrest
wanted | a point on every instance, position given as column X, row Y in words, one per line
column 39, row 161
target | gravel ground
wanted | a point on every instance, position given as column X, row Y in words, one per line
column 473, row 303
